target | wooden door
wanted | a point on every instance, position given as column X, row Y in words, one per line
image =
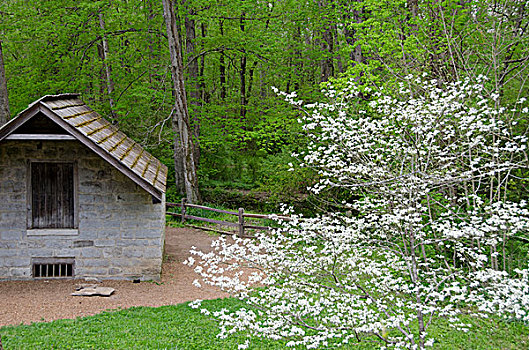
column 52, row 195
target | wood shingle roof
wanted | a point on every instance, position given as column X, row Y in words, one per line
column 87, row 126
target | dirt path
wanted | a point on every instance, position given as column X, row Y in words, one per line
column 33, row 301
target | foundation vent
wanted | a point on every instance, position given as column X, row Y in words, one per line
column 53, row 267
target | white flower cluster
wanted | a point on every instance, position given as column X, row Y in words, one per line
column 430, row 171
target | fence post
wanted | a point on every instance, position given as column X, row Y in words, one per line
column 241, row 222
column 183, row 204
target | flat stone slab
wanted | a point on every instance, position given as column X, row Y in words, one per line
column 94, row 291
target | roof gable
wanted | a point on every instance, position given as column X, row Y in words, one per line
column 70, row 113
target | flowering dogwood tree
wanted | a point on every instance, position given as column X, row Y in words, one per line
column 425, row 237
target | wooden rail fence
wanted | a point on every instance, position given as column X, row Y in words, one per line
column 241, row 223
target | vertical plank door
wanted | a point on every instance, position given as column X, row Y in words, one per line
column 52, row 202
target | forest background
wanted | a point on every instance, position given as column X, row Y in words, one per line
column 117, row 55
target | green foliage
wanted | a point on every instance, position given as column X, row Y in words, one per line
column 231, row 199
column 282, row 180
column 241, row 50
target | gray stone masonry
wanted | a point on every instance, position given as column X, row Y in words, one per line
column 120, row 234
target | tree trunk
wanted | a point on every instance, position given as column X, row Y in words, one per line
column 327, row 67
column 106, row 65
column 337, row 44
column 250, row 79
column 184, row 146
column 153, row 40
column 413, row 7
column 356, row 54
column 297, row 59
column 4, row 101
column 204, row 97
column 222, row 67
column 192, row 63
column 327, row 47
column 242, row 74
column 194, row 80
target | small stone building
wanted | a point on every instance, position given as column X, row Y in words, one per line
column 78, row 198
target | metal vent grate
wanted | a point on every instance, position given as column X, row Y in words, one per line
column 52, row 268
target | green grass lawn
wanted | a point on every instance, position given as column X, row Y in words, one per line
column 166, row 327
column 180, row 327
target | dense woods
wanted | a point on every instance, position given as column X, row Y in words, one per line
column 130, row 63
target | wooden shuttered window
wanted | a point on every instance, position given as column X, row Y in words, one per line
column 52, row 195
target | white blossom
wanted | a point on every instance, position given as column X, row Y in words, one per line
column 424, row 241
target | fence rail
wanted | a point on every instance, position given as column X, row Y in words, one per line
column 242, row 225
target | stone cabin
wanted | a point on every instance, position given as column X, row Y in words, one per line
column 78, row 198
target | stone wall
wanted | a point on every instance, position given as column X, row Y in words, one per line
column 120, row 233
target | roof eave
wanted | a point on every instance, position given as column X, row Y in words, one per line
column 37, row 106
column 9, row 127
column 94, row 147
column 29, row 112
